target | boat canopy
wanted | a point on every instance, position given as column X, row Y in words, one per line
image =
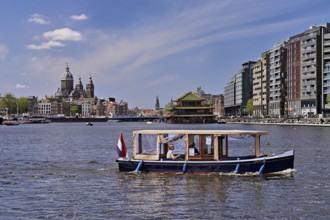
column 190, row 144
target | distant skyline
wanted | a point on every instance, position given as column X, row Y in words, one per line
column 137, row 50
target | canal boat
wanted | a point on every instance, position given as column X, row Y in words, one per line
column 201, row 151
column 10, row 122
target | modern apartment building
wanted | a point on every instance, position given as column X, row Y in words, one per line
column 311, row 70
column 261, row 86
column 277, row 80
column 326, row 68
column 293, row 80
column 229, row 97
column 239, row 90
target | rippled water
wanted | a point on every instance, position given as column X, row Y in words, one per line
column 68, row 171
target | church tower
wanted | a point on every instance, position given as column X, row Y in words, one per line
column 157, row 103
column 90, row 88
column 67, row 81
column 79, row 86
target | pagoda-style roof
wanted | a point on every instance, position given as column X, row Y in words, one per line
column 193, row 107
column 189, row 96
column 190, row 109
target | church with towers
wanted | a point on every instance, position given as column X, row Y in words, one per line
column 76, row 101
column 68, row 92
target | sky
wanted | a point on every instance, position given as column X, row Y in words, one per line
column 135, row 50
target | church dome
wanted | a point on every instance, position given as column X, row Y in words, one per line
column 67, row 74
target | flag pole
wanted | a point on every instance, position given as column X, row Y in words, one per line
column 121, row 147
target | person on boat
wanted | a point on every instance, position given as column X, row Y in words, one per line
column 170, row 154
column 192, row 145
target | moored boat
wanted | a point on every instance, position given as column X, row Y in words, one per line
column 10, row 122
column 201, row 151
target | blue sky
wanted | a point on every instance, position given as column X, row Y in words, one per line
column 136, row 50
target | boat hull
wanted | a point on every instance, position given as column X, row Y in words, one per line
column 269, row 164
column 10, row 123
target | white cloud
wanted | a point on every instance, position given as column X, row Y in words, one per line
column 79, row 17
column 55, row 37
column 47, row 45
column 39, row 19
column 63, row 34
column 3, row 51
column 21, row 86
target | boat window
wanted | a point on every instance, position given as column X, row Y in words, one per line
column 240, row 145
column 146, row 144
column 194, row 145
column 177, row 140
column 208, row 145
column 222, row 146
column 201, row 146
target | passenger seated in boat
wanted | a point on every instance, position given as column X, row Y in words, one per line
column 170, row 154
column 192, row 145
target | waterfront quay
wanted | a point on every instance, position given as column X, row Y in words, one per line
column 109, row 119
column 325, row 122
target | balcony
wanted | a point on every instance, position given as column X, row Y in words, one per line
column 308, row 48
column 308, row 83
column 307, row 69
column 309, row 42
column 308, row 76
column 327, row 36
column 310, row 62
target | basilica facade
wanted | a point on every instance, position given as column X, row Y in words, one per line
column 68, row 92
column 67, row 97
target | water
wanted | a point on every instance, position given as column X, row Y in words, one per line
column 68, row 171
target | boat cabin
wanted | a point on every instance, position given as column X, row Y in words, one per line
column 190, row 144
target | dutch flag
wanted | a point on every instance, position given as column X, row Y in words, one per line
column 121, row 147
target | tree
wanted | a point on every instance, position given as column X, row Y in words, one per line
column 8, row 102
column 75, row 110
column 22, row 104
column 249, row 106
column 328, row 100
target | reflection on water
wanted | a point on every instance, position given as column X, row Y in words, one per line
column 69, row 171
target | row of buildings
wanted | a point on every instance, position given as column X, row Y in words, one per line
column 75, row 101
column 291, row 79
